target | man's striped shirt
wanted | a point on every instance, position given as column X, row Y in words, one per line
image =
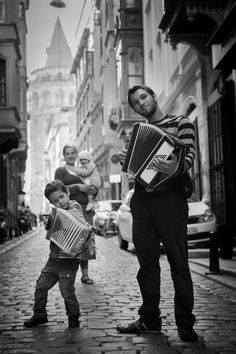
column 182, row 128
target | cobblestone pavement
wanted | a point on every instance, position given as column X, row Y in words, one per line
column 114, row 298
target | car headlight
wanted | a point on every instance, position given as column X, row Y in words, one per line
column 207, row 216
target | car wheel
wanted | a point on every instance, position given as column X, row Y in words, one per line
column 122, row 243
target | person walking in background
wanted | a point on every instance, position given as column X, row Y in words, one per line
column 161, row 215
column 90, row 174
column 61, row 267
column 78, row 192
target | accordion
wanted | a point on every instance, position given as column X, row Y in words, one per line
column 70, row 233
column 147, row 143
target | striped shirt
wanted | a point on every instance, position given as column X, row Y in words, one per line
column 182, row 128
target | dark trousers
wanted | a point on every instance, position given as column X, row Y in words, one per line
column 162, row 217
column 64, row 272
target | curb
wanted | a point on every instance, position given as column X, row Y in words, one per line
column 7, row 245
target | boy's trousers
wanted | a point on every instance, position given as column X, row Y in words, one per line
column 62, row 271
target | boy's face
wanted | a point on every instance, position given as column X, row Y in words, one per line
column 60, row 199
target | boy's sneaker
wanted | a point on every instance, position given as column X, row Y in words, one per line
column 90, row 206
column 35, row 321
column 137, row 327
column 187, row 334
column 73, row 322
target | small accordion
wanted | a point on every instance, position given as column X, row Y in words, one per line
column 70, row 233
column 147, row 143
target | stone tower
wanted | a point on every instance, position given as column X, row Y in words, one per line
column 51, row 91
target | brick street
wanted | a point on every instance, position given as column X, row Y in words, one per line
column 114, row 298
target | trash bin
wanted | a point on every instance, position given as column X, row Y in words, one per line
column 226, row 238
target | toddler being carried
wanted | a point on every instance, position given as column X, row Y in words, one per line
column 90, row 174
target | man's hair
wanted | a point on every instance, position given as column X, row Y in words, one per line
column 54, row 186
column 133, row 89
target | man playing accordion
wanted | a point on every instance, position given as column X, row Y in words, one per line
column 61, row 266
column 161, row 214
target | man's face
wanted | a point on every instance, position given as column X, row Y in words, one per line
column 60, row 199
column 143, row 103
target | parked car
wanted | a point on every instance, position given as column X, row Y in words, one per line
column 201, row 222
column 105, row 217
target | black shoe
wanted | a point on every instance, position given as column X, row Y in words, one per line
column 35, row 321
column 187, row 334
column 137, row 327
column 74, row 322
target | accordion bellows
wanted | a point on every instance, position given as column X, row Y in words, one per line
column 147, row 143
column 68, row 232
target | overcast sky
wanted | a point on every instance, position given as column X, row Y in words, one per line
column 41, row 18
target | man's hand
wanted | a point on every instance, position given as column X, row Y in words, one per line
column 122, row 156
column 166, row 166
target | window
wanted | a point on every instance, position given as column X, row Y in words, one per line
column 2, row 82
column 2, row 10
column 72, row 99
column 135, row 66
column 60, row 97
column 132, row 3
column 46, row 98
column 21, row 10
column 35, row 100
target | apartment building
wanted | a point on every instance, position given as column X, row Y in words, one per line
column 13, row 110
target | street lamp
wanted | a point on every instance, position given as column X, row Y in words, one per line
column 57, row 3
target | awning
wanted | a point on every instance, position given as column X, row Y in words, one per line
column 9, row 138
column 21, row 151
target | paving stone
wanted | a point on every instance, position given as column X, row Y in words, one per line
column 114, row 298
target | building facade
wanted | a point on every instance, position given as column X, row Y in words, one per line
column 13, row 107
column 208, row 28
column 94, row 67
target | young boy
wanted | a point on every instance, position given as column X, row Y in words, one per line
column 60, row 267
column 90, row 174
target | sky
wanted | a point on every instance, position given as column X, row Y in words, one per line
column 40, row 20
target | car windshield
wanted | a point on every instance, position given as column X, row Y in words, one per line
column 109, row 206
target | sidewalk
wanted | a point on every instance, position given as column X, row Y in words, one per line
column 8, row 244
column 226, row 275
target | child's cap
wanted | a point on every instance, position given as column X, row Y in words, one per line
column 85, row 155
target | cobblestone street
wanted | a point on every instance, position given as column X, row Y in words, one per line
column 114, row 298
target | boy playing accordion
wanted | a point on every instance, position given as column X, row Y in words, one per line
column 61, row 267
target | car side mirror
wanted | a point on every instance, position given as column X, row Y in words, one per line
column 124, row 208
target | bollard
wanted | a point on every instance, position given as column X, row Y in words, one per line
column 214, row 254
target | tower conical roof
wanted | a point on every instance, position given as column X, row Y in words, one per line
column 58, row 53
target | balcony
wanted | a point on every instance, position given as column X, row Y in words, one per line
column 9, row 129
column 192, row 22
